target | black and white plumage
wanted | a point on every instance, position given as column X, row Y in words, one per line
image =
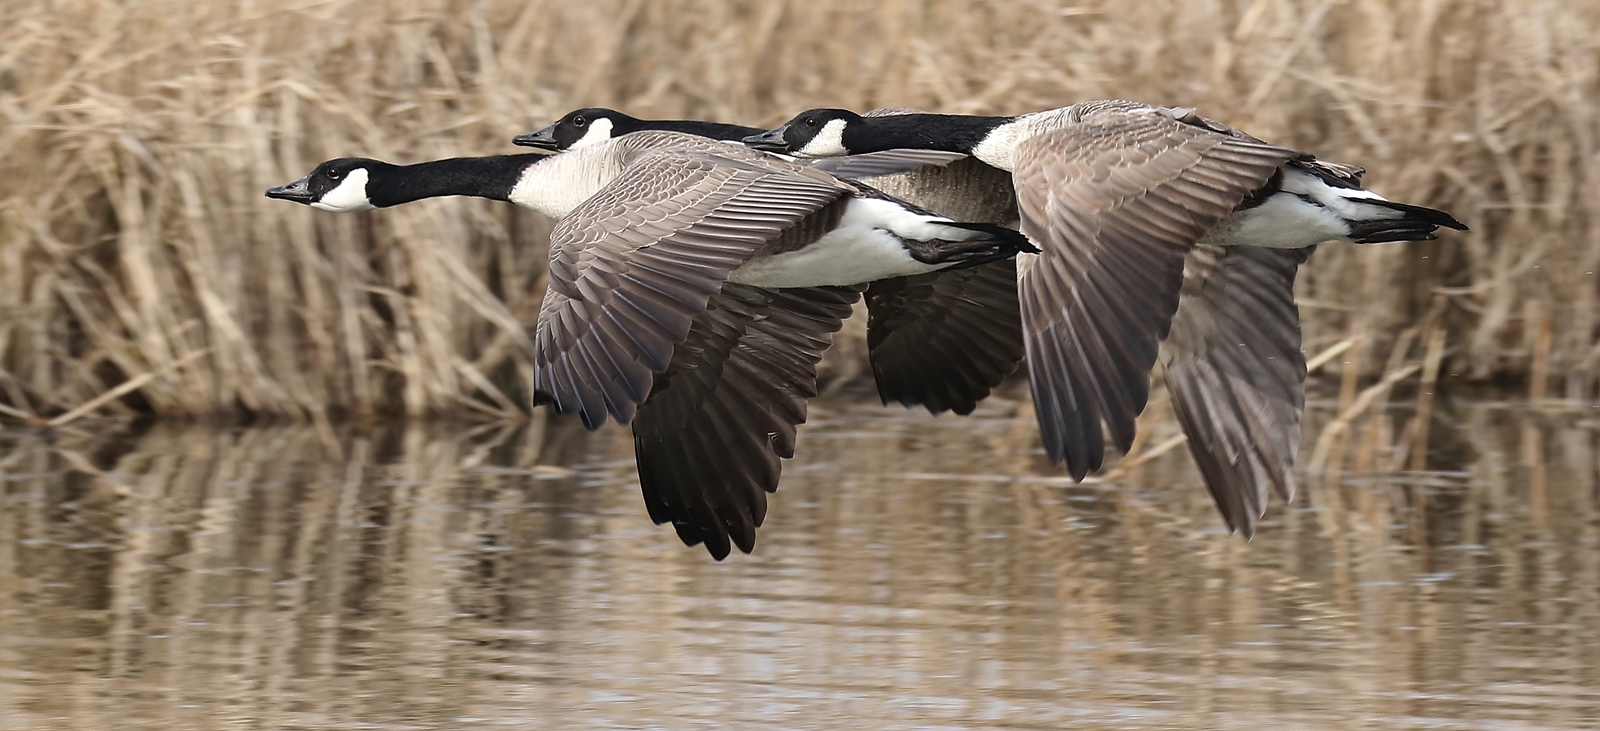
column 1152, row 220
column 691, row 272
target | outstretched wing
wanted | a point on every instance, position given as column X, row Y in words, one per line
column 1237, row 375
column 709, row 438
column 945, row 340
column 632, row 265
column 1115, row 202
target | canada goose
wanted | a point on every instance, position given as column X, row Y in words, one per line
column 693, row 287
column 942, row 340
column 1153, row 220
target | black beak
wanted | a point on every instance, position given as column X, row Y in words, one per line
column 544, row 139
column 770, row 140
column 299, row 191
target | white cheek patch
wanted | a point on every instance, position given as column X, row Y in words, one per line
column 828, row 143
column 599, row 131
column 349, row 196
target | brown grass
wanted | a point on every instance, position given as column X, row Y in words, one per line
column 135, row 244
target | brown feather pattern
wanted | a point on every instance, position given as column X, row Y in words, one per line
column 1237, row 376
column 1115, row 200
column 632, row 265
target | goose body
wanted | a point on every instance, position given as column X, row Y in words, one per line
column 1154, row 222
column 942, row 340
column 654, row 313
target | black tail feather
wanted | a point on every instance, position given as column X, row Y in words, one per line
column 1418, row 223
column 1011, row 237
column 1421, row 213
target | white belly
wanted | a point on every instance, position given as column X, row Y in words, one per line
column 850, row 254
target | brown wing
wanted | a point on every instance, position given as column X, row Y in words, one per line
column 631, row 266
column 1333, row 171
column 709, row 438
column 1115, row 202
column 1237, row 376
column 945, row 340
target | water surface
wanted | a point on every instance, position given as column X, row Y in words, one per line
column 913, row 573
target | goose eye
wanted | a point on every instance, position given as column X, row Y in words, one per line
column 579, row 121
column 811, row 121
column 335, row 175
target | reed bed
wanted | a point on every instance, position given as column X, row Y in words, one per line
column 141, row 268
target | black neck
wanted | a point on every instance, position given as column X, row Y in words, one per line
column 481, row 177
column 713, row 130
column 947, row 132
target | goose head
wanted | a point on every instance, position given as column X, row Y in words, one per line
column 578, row 129
column 336, row 185
column 813, row 133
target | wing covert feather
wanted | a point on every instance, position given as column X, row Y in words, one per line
column 633, row 265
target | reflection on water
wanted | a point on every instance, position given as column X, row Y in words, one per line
column 914, row 572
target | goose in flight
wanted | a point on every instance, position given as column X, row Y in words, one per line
column 942, row 340
column 693, row 287
column 1162, row 232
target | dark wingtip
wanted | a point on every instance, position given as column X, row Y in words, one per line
column 592, row 418
column 1123, row 433
column 745, row 541
column 687, row 533
column 717, row 545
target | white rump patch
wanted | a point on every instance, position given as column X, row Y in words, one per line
column 349, row 196
column 599, row 131
column 1289, row 221
column 1285, row 221
column 828, row 143
column 865, row 247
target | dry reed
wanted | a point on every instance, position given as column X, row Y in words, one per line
column 137, row 137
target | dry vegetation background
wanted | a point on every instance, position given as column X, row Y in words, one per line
column 140, row 266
